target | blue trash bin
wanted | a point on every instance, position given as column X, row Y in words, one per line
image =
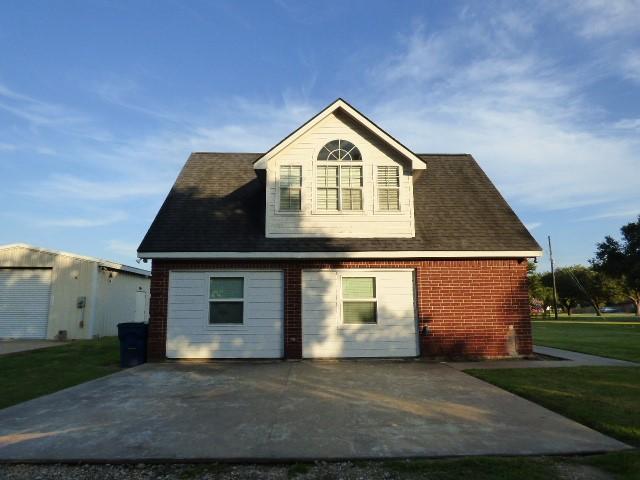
column 133, row 343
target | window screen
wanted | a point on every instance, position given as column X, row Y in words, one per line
column 226, row 300
column 359, row 304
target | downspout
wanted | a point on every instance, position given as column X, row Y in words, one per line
column 94, row 300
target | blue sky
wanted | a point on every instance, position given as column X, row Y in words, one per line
column 102, row 102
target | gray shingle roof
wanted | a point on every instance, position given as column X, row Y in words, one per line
column 217, row 205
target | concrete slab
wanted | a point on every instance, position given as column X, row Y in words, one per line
column 562, row 358
column 15, row 346
column 268, row 411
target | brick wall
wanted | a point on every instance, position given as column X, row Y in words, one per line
column 466, row 305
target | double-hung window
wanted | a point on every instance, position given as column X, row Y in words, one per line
column 338, row 180
column 389, row 188
column 290, row 187
column 359, row 303
column 226, row 300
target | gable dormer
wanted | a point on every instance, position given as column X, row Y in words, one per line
column 339, row 175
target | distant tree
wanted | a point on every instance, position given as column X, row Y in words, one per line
column 598, row 288
column 569, row 293
column 621, row 260
column 538, row 291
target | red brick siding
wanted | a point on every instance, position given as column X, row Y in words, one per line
column 467, row 305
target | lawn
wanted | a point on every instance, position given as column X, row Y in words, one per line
column 603, row 398
column 31, row 374
column 616, row 340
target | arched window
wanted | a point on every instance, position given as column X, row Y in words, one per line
column 339, row 186
column 340, row 150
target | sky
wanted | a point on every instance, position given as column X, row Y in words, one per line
column 101, row 103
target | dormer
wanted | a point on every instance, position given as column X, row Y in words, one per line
column 339, row 175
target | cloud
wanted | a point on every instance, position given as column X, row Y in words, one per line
column 83, row 222
column 631, row 65
column 617, row 213
column 602, row 18
column 47, row 115
column 123, row 248
column 532, row 225
column 524, row 118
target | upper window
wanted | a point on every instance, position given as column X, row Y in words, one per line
column 226, row 300
column 340, row 150
column 389, row 188
column 290, row 188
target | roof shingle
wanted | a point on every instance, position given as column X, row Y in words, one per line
column 217, row 205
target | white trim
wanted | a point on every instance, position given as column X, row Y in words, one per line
column 416, row 162
column 101, row 262
column 370, row 254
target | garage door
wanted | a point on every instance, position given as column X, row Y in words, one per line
column 24, row 302
column 225, row 314
column 358, row 313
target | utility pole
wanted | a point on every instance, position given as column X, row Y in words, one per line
column 553, row 277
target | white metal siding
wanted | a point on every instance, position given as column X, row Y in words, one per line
column 324, row 335
column 189, row 334
column 310, row 222
column 24, row 302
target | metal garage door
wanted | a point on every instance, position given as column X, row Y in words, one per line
column 358, row 313
column 225, row 314
column 24, row 302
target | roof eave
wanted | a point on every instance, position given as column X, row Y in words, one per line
column 416, row 162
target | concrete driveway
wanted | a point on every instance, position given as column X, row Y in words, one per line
column 286, row 411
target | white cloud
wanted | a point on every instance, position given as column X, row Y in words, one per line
column 83, row 222
column 123, row 248
column 631, row 65
column 628, row 124
column 602, row 18
column 616, row 213
column 532, row 225
column 524, row 119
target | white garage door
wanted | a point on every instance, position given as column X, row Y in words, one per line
column 24, row 302
column 358, row 313
column 225, row 314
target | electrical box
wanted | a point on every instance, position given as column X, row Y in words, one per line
column 81, row 302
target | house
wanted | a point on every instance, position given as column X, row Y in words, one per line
column 339, row 241
column 47, row 294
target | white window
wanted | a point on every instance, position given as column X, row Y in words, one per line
column 290, row 188
column 339, row 185
column 359, row 303
column 226, row 300
column 389, row 188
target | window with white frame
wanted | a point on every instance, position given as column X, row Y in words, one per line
column 339, row 186
column 388, row 188
column 226, row 300
column 359, row 303
column 290, row 187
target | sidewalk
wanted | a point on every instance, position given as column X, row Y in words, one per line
column 563, row 358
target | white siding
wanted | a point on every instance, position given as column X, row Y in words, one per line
column 324, row 335
column 24, row 303
column 118, row 300
column 189, row 334
column 310, row 222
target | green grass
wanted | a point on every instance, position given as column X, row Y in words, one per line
column 603, row 398
column 588, row 317
column 615, row 341
column 34, row 373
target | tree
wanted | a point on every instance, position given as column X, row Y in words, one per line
column 569, row 293
column 621, row 260
column 599, row 287
column 537, row 290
